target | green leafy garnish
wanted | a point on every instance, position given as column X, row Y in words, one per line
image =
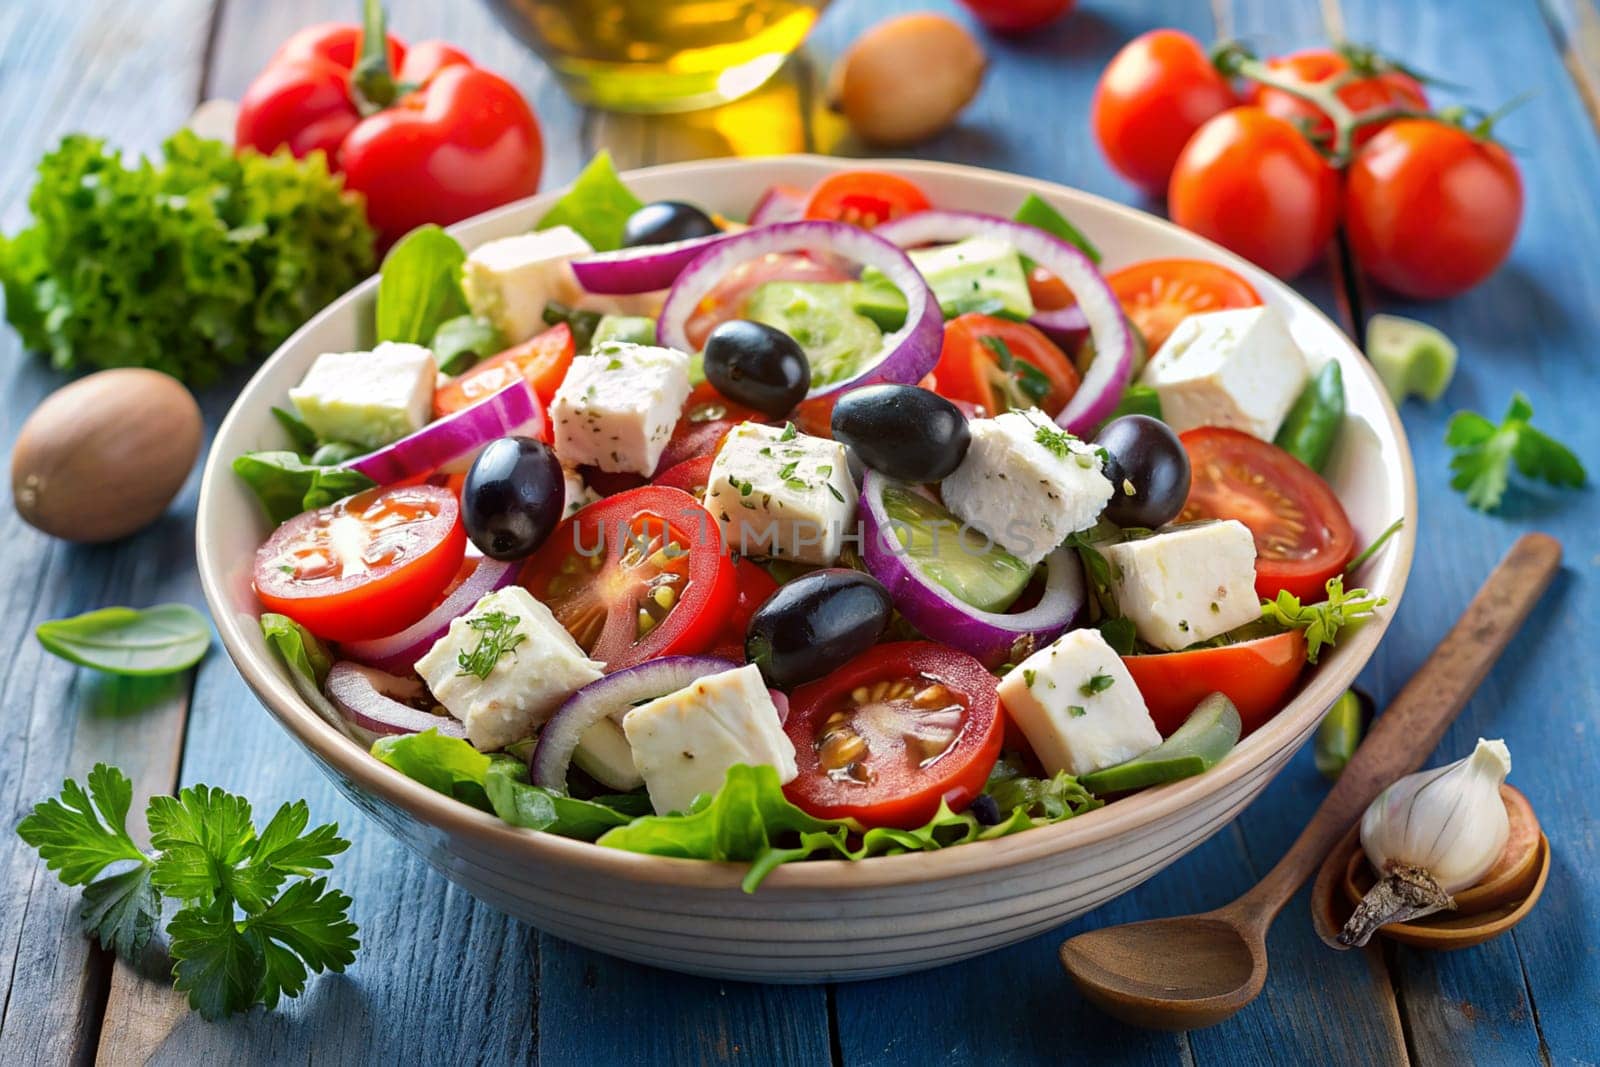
column 596, row 206
column 497, row 635
column 303, row 437
column 1020, row 383
column 1484, row 453
column 164, row 639
column 286, row 484
column 1097, row 683
column 253, row 923
column 200, row 259
column 1056, row 442
column 1322, row 622
column 419, row 286
column 308, row 660
column 460, row 342
column 1038, row 213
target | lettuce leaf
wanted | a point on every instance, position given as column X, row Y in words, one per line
column 419, row 286
column 596, row 206
column 185, row 264
column 288, row 485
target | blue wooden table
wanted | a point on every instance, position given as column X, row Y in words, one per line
column 442, row 978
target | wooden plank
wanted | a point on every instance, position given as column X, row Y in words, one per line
column 56, row 720
column 1530, row 327
column 1576, row 24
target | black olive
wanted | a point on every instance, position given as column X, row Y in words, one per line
column 815, row 624
column 985, row 809
column 758, row 366
column 902, row 431
column 1148, row 468
column 666, row 221
column 513, row 497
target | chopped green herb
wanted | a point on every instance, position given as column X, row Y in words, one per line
column 787, row 470
column 497, row 635
column 1098, row 683
column 1029, row 676
column 789, row 432
column 1057, row 442
column 825, row 470
column 836, row 494
column 1076, row 711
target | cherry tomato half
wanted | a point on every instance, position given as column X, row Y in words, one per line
column 1255, row 675
column 755, row 586
column 636, row 576
column 1303, row 536
column 365, row 566
column 691, row 476
column 541, row 360
column 1160, row 293
column 1253, row 184
column 1001, row 365
column 1151, row 98
column 1431, row 210
column 1379, row 92
column 707, row 417
column 893, row 732
column 864, row 198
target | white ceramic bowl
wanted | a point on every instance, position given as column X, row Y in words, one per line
column 823, row 920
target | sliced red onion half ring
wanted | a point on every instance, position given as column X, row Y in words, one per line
column 451, row 444
column 373, row 701
column 940, row 615
column 610, row 698
column 1065, row 326
column 904, row 356
column 639, row 270
column 1108, row 375
column 399, row 652
column 780, row 203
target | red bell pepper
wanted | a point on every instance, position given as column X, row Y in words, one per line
column 425, row 134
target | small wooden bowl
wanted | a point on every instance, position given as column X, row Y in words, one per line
column 1500, row 901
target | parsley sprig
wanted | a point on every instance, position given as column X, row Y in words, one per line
column 253, row 923
column 1322, row 622
column 497, row 635
column 1057, row 442
column 1484, row 453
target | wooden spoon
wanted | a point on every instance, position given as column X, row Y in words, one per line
column 1197, row 970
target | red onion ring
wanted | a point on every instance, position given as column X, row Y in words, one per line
column 639, row 270
column 366, row 698
column 604, row 698
column 940, row 615
column 1065, row 326
column 1108, row 375
column 399, row 652
column 905, row 356
column 780, row 203
column 450, row 444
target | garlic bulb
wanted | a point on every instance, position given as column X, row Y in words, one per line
column 1429, row 835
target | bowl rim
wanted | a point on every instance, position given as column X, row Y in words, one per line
column 346, row 759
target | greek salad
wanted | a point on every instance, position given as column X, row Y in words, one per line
column 861, row 526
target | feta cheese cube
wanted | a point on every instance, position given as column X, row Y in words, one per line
column 684, row 743
column 1026, row 484
column 509, row 281
column 1235, row 368
column 371, row 398
column 1077, row 705
column 617, row 407
column 1187, row 583
column 504, row 667
column 782, row 494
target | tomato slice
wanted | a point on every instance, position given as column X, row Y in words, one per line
column 727, row 298
column 692, row 475
column 1303, row 536
column 707, row 417
column 636, row 576
column 366, row 566
column 864, row 198
column 1160, row 293
column 893, row 732
column 1255, row 675
column 542, row 360
column 755, row 586
column 1000, row 365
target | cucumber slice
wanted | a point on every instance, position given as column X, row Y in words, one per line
column 976, row 571
column 821, row 319
column 1411, row 357
column 879, row 301
column 1208, row 734
column 634, row 329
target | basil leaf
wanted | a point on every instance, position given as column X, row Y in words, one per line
column 597, row 206
column 446, row 765
column 420, row 286
column 288, row 485
column 537, row 808
column 165, row 639
column 301, row 436
column 460, row 342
